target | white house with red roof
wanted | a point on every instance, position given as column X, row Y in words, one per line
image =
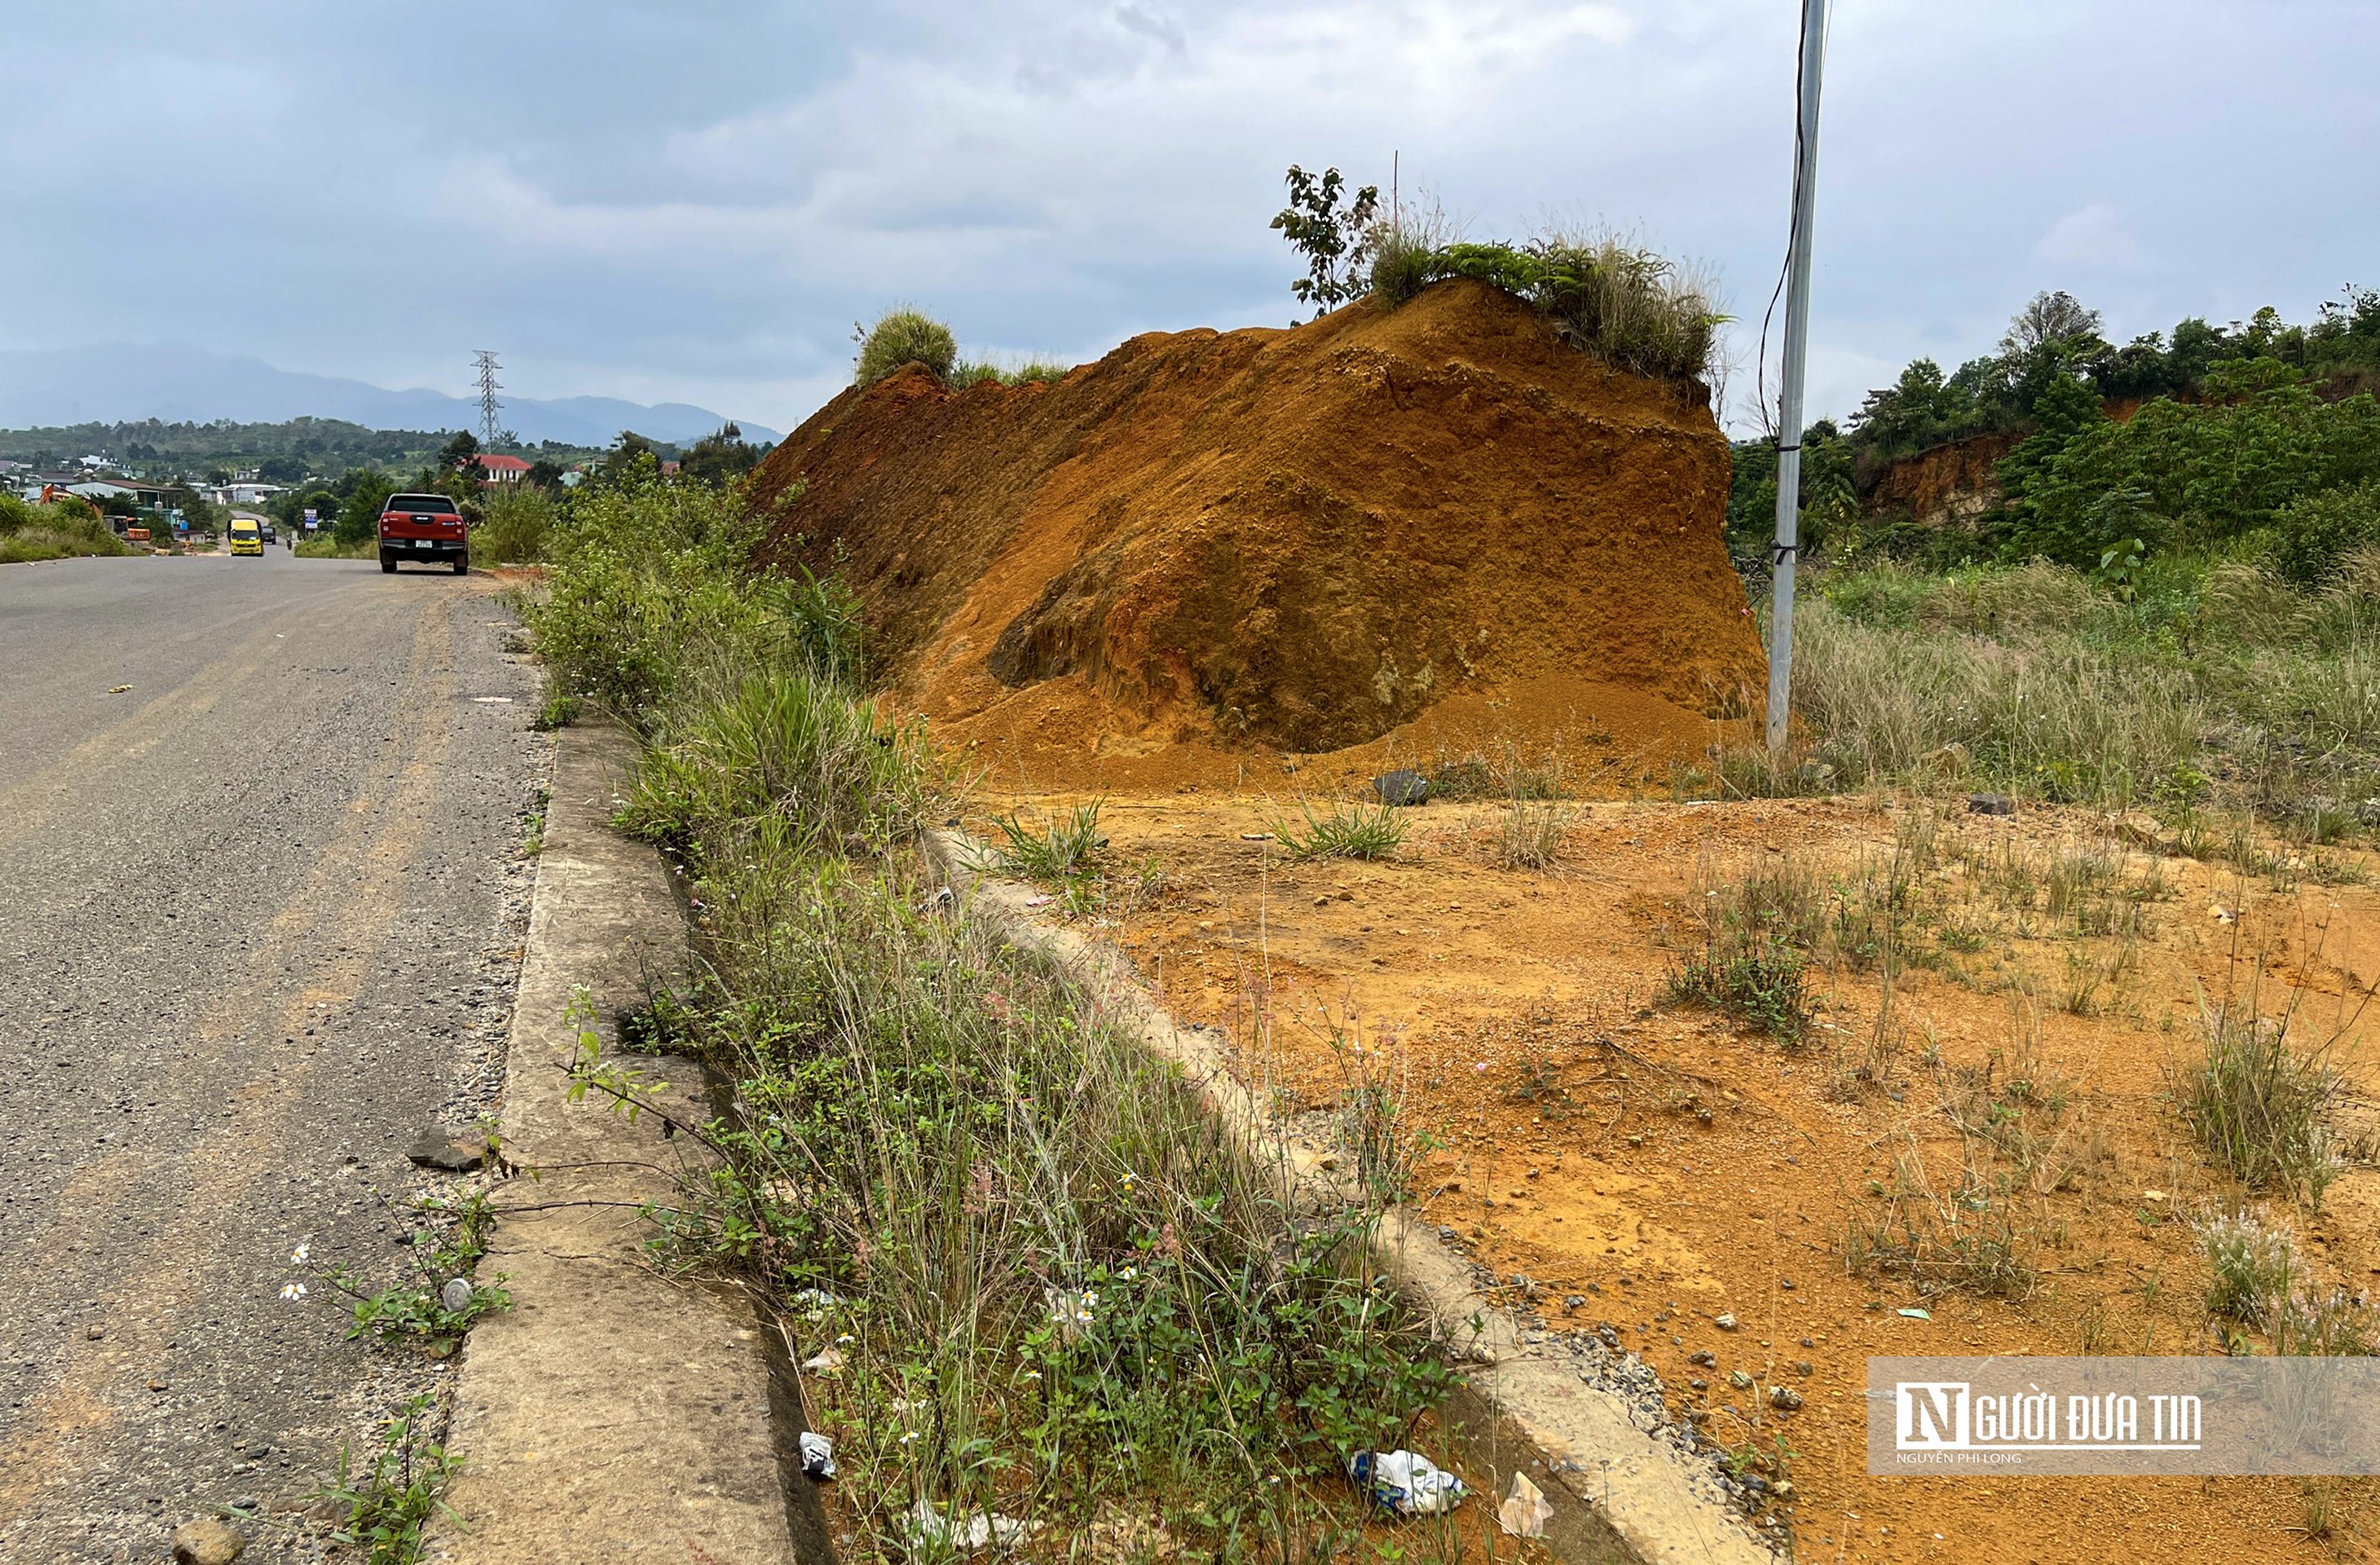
column 496, row 468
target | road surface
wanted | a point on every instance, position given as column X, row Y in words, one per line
column 259, row 926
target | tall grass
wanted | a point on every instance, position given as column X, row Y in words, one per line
column 904, row 336
column 2228, row 684
column 2257, row 1103
column 1614, row 300
column 1055, row 1288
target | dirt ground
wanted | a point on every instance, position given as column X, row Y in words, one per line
column 1653, row 1163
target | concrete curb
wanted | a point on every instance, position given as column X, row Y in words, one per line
column 611, row 1414
column 1618, row 1494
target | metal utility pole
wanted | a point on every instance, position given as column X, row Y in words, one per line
column 484, row 361
column 1797, row 345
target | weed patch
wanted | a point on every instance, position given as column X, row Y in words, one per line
column 385, row 1506
column 1347, row 831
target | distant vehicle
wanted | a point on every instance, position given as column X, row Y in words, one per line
column 245, row 539
column 270, row 536
column 422, row 527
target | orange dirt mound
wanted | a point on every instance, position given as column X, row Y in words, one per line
column 1432, row 524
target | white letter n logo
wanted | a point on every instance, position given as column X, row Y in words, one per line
column 1932, row 1414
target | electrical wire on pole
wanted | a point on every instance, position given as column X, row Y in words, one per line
column 484, row 362
column 1789, row 395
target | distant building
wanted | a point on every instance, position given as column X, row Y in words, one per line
column 495, row 468
column 145, row 495
column 243, row 494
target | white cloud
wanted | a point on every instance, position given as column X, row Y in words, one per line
column 2091, row 235
column 663, row 201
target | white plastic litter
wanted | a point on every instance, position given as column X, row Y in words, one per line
column 817, row 1455
column 1406, row 1482
column 455, row 1295
column 985, row 1529
column 826, row 1361
column 814, row 1301
column 1525, row 1511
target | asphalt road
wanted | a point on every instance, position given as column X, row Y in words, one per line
column 260, row 918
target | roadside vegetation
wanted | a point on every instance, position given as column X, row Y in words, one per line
column 904, row 336
column 1612, row 300
column 1038, row 1289
column 53, row 532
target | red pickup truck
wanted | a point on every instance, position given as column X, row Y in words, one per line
column 422, row 527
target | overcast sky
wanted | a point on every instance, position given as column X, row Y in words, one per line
column 695, row 199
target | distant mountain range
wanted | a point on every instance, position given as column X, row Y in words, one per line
column 174, row 382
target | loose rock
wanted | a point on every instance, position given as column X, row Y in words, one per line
column 437, row 1147
column 1402, row 790
column 1990, row 804
column 206, row 1542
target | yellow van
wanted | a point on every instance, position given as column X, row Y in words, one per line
column 245, row 539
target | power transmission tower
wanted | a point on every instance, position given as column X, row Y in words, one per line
column 484, row 360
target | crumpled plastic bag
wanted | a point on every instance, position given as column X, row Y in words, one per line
column 1405, row 1482
column 1525, row 1511
column 985, row 1529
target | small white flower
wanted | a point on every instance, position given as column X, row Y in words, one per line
column 907, row 1435
column 846, row 1337
column 297, row 1256
column 1128, row 1273
column 293, row 1290
column 1033, row 1374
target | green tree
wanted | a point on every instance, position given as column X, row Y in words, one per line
column 359, row 513
column 718, row 458
column 1334, row 241
column 2061, row 411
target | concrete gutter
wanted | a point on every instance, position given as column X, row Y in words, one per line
column 1618, row 1493
column 611, row 1414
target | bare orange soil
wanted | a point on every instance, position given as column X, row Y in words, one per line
column 1661, row 1164
column 1208, row 551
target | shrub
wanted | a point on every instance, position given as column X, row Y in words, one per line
column 2313, row 534
column 53, row 532
column 906, row 337
column 519, row 519
column 1625, row 306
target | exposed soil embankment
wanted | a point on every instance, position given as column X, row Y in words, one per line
column 1436, row 525
column 1951, row 483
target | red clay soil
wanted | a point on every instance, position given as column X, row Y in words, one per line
column 1383, row 530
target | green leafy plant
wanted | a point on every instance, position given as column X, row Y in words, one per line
column 1333, row 238
column 447, row 1248
column 384, row 1509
